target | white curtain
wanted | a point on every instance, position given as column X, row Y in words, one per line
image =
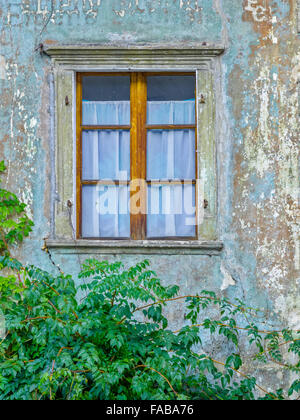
column 106, row 113
column 106, row 155
column 105, row 211
column 171, row 211
column 170, row 155
column 171, row 112
column 118, row 112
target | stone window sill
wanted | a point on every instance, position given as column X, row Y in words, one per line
column 135, row 247
column 112, row 247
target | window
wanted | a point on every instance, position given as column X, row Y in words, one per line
column 136, row 156
column 149, row 64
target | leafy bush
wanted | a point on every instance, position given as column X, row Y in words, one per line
column 109, row 339
column 14, row 223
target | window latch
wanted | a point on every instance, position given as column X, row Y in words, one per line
column 202, row 99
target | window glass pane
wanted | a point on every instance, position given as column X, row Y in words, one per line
column 171, row 100
column 171, row 154
column 106, row 100
column 105, row 211
column 106, row 154
column 171, row 211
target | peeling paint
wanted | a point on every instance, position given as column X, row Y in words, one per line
column 258, row 9
column 227, row 278
column 2, row 67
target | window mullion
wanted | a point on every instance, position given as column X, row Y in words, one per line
column 138, row 193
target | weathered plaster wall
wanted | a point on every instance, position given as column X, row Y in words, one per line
column 257, row 130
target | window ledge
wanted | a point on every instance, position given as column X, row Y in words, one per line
column 162, row 247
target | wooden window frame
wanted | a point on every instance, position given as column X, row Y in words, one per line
column 138, row 152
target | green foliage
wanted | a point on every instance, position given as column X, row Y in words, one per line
column 108, row 338
column 14, row 223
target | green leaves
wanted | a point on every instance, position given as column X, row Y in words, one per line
column 2, row 166
column 14, row 223
column 109, row 338
column 295, row 387
column 273, row 346
column 234, row 360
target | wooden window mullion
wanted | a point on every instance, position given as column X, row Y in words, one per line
column 138, row 141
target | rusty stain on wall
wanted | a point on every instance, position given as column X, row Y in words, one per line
column 269, row 217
